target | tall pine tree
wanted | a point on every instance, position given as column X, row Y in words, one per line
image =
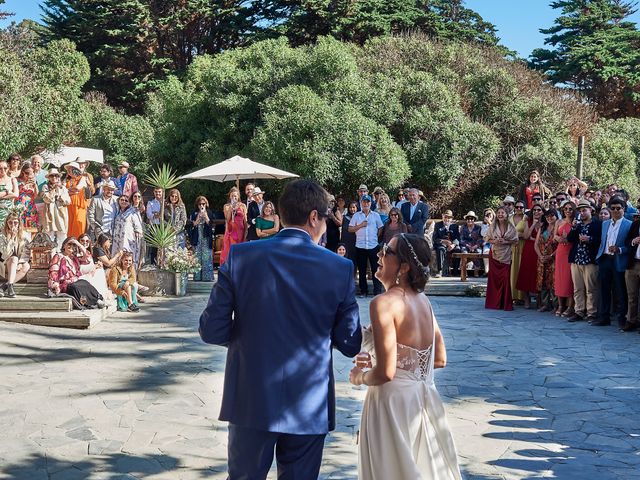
column 597, row 51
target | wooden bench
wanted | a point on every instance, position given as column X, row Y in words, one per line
column 464, row 259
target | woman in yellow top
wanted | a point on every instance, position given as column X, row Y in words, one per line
column 122, row 282
column 76, row 184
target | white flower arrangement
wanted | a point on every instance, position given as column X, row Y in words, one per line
column 180, row 260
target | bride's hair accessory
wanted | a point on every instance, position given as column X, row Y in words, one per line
column 414, row 255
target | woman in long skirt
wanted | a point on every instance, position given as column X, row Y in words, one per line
column 527, row 277
column 563, row 282
column 502, row 236
column 199, row 227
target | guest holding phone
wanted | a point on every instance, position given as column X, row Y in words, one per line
column 235, row 215
column 199, row 227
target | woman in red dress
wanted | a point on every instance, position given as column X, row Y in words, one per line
column 235, row 214
column 502, row 236
column 562, row 281
column 532, row 186
column 527, row 281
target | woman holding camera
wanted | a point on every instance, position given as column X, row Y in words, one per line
column 235, row 215
column 201, row 238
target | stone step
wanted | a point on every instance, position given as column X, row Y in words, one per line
column 199, row 287
column 31, row 289
column 80, row 319
column 24, row 303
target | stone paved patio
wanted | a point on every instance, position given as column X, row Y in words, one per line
column 529, row 396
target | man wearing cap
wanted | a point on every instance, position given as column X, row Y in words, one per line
column 253, row 211
column 102, row 211
column 612, row 261
column 56, row 200
column 415, row 213
column 446, row 240
column 126, row 183
column 362, row 191
column 585, row 239
column 509, row 203
column 367, row 226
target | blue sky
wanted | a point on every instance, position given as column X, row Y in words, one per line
column 518, row 21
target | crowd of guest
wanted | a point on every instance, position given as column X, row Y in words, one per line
column 575, row 253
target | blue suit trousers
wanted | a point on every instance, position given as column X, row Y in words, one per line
column 251, row 452
column 613, row 291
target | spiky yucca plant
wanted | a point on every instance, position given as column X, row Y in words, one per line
column 163, row 235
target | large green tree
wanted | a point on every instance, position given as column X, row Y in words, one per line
column 596, row 50
column 132, row 44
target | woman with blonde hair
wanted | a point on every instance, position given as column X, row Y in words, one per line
column 200, row 230
column 235, row 215
column 268, row 223
column 383, row 207
column 176, row 214
column 122, row 282
column 14, row 254
column 27, row 194
column 501, row 236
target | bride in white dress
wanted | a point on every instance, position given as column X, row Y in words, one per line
column 404, row 433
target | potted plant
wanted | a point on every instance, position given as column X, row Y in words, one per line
column 161, row 236
column 181, row 262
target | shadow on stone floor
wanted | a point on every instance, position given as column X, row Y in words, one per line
column 114, row 466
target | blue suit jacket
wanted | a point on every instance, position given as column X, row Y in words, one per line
column 419, row 219
column 621, row 259
column 280, row 305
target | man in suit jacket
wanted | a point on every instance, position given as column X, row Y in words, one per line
column 632, row 275
column 415, row 213
column 446, row 240
column 612, row 261
column 102, row 211
column 254, row 209
column 278, row 388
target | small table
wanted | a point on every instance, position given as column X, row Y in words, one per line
column 464, row 259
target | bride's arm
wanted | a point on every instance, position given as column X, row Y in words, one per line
column 440, row 358
column 382, row 311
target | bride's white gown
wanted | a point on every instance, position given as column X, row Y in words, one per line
column 404, row 433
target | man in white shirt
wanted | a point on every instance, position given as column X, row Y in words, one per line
column 367, row 225
column 153, row 218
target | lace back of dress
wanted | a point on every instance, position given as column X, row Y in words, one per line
column 415, row 361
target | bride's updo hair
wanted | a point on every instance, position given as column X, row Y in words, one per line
column 414, row 251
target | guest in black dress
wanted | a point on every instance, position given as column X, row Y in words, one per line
column 349, row 239
column 334, row 223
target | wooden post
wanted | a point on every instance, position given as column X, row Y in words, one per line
column 580, row 162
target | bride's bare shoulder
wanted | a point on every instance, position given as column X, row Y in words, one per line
column 390, row 301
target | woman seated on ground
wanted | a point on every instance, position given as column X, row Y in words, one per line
column 92, row 272
column 393, row 225
column 14, row 254
column 268, row 223
column 65, row 273
column 122, row 282
column 102, row 252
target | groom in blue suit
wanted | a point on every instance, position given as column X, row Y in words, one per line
column 612, row 261
column 280, row 306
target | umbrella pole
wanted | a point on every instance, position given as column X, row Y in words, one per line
column 237, row 182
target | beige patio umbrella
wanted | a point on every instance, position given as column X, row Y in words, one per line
column 66, row 155
column 238, row 168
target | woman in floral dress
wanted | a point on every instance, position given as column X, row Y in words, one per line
column 545, row 246
column 201, row 238
column 27, row 194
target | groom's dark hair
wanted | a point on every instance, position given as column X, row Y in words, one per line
column 299, row 199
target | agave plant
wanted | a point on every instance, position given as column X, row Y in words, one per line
column 162, row 235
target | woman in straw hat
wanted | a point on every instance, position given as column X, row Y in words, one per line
column 56, row 200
